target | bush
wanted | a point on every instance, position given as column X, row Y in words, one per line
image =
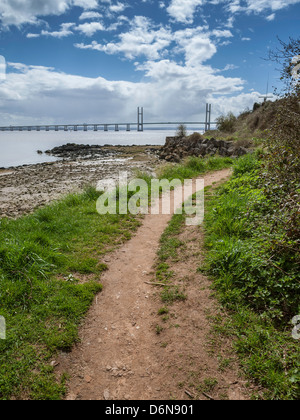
column 195, row 137
column 181, row 131
column 245, row 259
column 281, row 176
column 255, row 279
column 226, row 123
column 256, row 106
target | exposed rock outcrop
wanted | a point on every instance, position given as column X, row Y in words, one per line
column 73, row 151
column 177, row 148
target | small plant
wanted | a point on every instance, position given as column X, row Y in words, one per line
column 158, row 329
column 163, row 311
column 208, row 385
column 171, row 294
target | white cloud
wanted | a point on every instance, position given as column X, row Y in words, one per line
column 32, row 94
column 62, row 33
column 67, row 29
column 30, row 35
column 19, row 12
column 141, row 40
column 198, row 50
column 259, row 6
column 183, row 10
column 90, row 15
column 118, row 7
column 271, row 17
column 144, row 39
column 90, row 28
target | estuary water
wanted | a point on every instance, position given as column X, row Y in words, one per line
column 20, row 148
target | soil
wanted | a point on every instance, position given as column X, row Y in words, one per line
column 122, row 355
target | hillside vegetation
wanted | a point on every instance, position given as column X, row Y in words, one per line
column 253, row 238
column 252, row 127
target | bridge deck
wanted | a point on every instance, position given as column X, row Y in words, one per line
column 95, row 127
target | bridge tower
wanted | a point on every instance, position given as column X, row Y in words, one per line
column 208, row 117
column 140, row 119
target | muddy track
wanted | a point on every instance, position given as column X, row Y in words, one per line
column 120, row 355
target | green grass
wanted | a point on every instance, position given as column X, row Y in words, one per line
column 50, row 271
column 194, row 166
column 259, row 288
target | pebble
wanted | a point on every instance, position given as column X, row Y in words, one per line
column 106, row 394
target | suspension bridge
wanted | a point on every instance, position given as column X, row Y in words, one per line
column 139, row 125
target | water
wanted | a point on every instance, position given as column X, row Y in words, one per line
column 20, row 148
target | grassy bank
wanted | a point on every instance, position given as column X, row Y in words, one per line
column 256, row 278
column 50, row 271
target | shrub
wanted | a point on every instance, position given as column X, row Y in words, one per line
column 226, row 123
column 181, row 131
column 195, row 137
column 256, row 106
column 245, row 234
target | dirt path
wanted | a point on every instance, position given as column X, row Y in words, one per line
column 121, row 356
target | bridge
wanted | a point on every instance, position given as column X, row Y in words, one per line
column 140, row 124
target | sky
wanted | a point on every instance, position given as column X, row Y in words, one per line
column 96, row 61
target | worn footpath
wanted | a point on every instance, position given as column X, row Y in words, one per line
column 121, row 356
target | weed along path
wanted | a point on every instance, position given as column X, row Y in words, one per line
column 123, row 355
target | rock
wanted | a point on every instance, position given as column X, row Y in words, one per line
column 222, row 144
column 177, row 148
column 106, row 394
column 213, row 142
column 173, row 158
column 203, row 149
column 223, row 151
column 72, row 150
column 241, row 151
column 231, row 151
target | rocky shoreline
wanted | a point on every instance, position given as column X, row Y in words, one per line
column 25, row 188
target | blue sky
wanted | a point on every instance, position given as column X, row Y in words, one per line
column 97, row 60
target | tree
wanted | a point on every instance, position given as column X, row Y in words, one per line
column 288, row 56
column 282, row 160
column 181, row 131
